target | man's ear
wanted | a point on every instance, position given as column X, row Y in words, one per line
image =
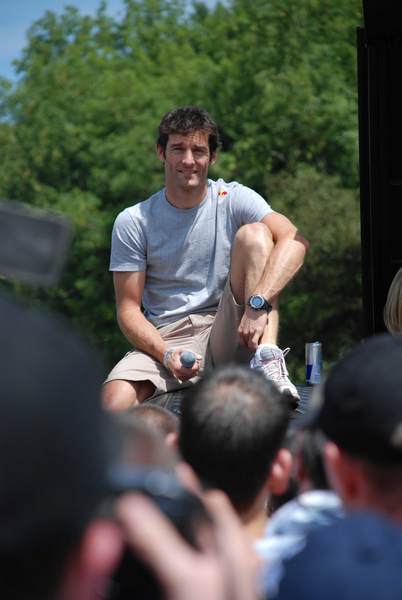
column 213, row 158
column 187, row 477
column 281, row 468
column 333, row 466
column 93, row 562
column 172, row 441
column 160, row 152
column 343, row 473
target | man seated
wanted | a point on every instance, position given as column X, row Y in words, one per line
column 206, row 261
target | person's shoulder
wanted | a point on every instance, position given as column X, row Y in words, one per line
column 223, row 186
column 141, row 209
column 156, row 199
column 233, row 189
column 226, row 189
column 306, row 511
column 242, row 198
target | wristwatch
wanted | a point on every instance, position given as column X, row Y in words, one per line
column 258, row 302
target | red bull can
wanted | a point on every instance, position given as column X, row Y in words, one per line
column 313, row 363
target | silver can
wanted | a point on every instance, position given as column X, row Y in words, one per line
column 313, row 363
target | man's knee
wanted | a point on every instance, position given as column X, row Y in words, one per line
column 254, row 236
column 119, row 394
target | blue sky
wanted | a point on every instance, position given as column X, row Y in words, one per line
column 16, row 16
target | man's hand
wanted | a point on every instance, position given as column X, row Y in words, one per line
column 173, row 364
column 252, row 327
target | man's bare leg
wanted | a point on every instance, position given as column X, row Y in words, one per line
column 251, row 250
column 120, row 394
column 252, row 247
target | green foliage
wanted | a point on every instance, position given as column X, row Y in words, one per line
column 287, row 72
column 324, row 301
column 78, row 131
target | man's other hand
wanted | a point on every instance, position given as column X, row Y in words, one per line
column 252, row 327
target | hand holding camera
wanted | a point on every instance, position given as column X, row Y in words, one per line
column 223, row 567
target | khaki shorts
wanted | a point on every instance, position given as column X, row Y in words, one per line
column 212, row 335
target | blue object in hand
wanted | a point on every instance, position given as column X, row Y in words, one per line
column 187, row 359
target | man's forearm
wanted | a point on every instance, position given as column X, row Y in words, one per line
column 285, row 260
column 141, row 333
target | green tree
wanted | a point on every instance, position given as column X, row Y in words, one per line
column 287, row 70
column 324, row 301
column 78, row 131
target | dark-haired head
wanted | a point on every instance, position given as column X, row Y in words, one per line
column 233, row 424
column 186, row 120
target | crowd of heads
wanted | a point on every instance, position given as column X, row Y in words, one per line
column 58, row 446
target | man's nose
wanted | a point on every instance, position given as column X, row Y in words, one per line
column 188, row 157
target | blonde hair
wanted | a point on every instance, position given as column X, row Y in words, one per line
column 393, row 305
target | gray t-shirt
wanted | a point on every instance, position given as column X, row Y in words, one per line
column 184, row 252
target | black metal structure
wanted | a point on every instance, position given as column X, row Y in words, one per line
column 380, row 129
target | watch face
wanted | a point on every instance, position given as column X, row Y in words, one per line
column 257, row 302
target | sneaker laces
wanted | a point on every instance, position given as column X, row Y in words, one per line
column 271, row 362
column 274, row 366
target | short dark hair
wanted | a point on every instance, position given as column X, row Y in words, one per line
column 188, row 119
column 53, row 448
column 233, row 424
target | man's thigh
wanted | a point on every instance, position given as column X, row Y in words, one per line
column 224, row 346
column 189, row 333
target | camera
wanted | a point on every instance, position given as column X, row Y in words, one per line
column 132, row 578
column 33, row 244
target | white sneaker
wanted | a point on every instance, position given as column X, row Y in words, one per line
column 271, row 361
